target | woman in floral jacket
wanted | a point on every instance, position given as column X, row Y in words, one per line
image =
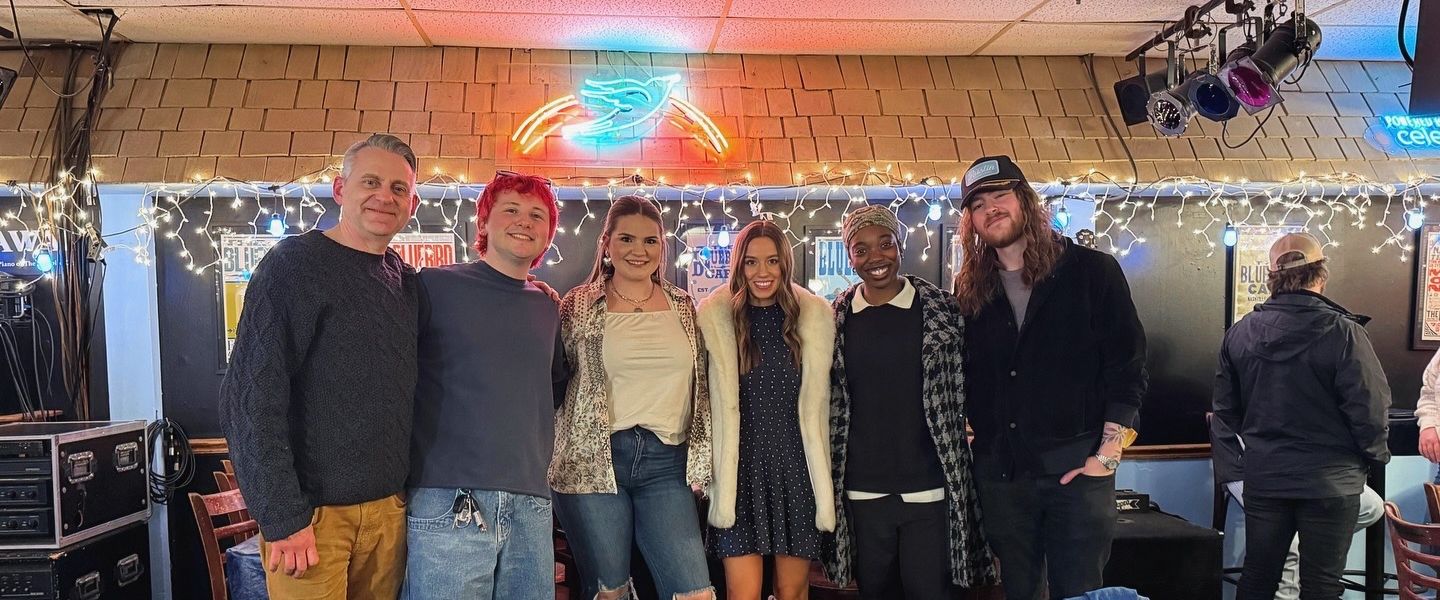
column 632, row 438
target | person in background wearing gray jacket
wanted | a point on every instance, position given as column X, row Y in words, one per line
column 1300, row 384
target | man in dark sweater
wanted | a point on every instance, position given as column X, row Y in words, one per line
column 480, row 517
column 907, row 520
column 316, row 404
column 1055, row 372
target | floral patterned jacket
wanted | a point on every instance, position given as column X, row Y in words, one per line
column 582, row 461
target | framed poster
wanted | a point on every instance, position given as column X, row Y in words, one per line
column 239, row 255
column 827, row 265
column 425, row 250
column 1425, row 323
column 1251, row 266
column 704, row 259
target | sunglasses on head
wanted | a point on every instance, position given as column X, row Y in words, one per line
column 503, row 173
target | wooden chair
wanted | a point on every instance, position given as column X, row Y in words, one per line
column 207, row 509
column 1402, row 535
column 1432, row 498
column 227, row 466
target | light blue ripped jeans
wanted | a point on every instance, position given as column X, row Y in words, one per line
column 479, row 544
column 652, row 507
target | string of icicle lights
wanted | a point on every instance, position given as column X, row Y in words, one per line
column 185, row 215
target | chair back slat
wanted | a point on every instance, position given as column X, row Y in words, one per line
column 1432, row 499
column 1407, row 539
column 226, row 505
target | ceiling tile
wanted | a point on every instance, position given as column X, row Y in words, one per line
column 884, row 10
column 657, row 8
column 853, row 37
column 1366, row 12
column 1356, row 42
column 240, row 25
column 1113, row 39
column 50, row 24
column 636, row 34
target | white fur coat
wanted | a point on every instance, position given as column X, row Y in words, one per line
column 817, row 344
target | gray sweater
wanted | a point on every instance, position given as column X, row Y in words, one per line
column 317, row 403
column 485, row 401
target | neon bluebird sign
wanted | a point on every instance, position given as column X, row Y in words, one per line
column 617, row 111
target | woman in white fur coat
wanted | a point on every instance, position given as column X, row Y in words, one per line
column 771, row 344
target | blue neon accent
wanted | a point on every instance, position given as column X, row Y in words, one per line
column 934, row 212
column 277, row 225
column 44, row 262
column 724, row 239
column 1231, row 236
column 621, row 103
column 1062, row 218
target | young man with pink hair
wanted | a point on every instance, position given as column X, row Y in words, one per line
column 479, row 515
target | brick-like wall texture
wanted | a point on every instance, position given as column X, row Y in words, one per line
column 274, row 113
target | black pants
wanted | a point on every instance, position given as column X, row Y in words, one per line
column 1041, row 530
column 901, row 546
column 1325, row 525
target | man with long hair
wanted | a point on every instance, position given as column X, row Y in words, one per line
column 1055, row 367
column 1300, row 384
column 480, row 522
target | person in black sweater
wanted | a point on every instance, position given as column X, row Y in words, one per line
column 317, row 403
column 1054, row 372
column 907, row 518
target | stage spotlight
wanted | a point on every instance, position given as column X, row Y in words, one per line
column 1169, row 111
column 1254, row 74
column 1133, row 94
column 1209, row 97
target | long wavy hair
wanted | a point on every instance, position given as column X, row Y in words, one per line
column 978, row 278
column 740, row 293
column 625, row 206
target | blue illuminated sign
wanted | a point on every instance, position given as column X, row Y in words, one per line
column 1402, row 134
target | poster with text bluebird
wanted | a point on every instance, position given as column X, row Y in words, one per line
column 705, row 259
column 1251, row 260
column 830, row 271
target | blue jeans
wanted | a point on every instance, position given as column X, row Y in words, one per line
column 478, row 544
column 653, row 507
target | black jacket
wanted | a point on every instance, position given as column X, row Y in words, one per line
column 1300, row 383
column 1040, row 396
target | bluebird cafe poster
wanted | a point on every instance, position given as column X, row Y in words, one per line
column 709, row 267
column 241, row 253
column 1252, row 265
column 830, row 271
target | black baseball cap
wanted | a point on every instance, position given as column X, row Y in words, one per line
column 987, row 173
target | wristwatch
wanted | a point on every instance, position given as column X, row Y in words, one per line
column 1109, row 462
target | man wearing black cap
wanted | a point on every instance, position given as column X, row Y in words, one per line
column 907, row 517
column 1055, row 370
column 1300, row 384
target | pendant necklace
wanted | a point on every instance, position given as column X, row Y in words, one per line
column 639, row 304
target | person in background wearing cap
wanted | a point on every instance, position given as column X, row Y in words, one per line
column 906, row 512
column 1055, row 372
column 1300, row 384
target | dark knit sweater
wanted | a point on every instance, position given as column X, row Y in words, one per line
column 317, row 403
column 891, row 450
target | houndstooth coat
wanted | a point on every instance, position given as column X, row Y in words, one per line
column 971, row 563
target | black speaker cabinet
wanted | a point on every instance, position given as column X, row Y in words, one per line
column 115, row 566
column 1165, row 557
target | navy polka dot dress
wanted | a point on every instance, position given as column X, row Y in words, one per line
column 774, row 504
